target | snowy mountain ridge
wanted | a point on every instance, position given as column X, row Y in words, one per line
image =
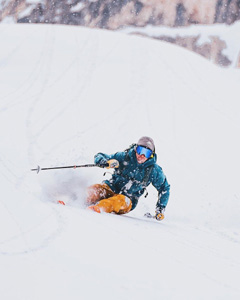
column 216, row 42
column 116, row 14
column 149, row 18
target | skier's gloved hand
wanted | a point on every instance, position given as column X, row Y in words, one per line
column 159, row 213
column 113, row 163
column 100, row 161
column 103, row 163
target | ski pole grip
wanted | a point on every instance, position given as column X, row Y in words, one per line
column 104, row 165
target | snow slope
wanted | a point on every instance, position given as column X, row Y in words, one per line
column 68, row 93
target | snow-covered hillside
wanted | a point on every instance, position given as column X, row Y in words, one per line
column 228, row 34
column 68, row 93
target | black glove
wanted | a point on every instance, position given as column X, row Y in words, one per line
column 159, row 213
column 103, row 163
column 100, row 161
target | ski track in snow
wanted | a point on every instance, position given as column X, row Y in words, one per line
column 33, row 230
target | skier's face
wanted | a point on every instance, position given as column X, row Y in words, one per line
column 141, row 158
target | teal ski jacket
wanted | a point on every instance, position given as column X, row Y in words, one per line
column 131, row 178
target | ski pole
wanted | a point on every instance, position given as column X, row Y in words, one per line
column 38, row 169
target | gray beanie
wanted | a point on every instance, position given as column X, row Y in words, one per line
column 146, row 142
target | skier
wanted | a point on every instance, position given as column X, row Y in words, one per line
column 135, row 169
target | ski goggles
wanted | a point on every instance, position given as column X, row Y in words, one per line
column 144, row 151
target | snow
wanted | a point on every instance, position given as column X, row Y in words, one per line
column 8, row 20
column 77, row 7
column 70, row 92
column 34, row 1
column 26, row 12
column 228, row 33
column 3, row 3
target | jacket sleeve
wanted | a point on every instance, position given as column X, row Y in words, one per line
column 161, row 184
column 103, row 158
